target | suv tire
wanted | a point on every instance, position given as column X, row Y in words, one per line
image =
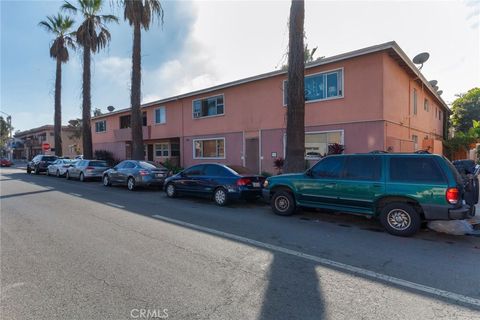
column 400, row 219
column 37, row 170
column 81, row 177
column 29, row 170
column 283, row 203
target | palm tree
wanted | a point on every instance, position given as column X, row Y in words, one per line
column 92, row 35
column 60, row 26
column 139, row 14
column 295, row 148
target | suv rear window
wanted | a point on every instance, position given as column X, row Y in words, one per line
column 362, row 168
column 416, row 170
column 47, row 158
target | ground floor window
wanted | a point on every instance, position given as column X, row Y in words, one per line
column 161, row 149
column 209, row 148
column 316, row 143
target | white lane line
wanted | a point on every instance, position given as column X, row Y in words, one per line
column 335, row 264
column 115, row 205
column 75, row 194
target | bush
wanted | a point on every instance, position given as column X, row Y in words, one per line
column 107, row 156
column 266, row 174
column 171, row 167
column 335, row 148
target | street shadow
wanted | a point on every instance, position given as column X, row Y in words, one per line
column 293, row 289
column 23, row 194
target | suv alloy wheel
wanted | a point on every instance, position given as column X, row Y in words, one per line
column 400, row 219
column 283, row 203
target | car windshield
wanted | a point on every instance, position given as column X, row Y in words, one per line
column 150, row 165
column 49, row 158
column 240, row 169
column 98, row 164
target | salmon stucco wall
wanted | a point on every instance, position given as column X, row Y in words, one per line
column 398, row 97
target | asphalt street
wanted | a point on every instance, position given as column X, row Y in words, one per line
column 73, row 250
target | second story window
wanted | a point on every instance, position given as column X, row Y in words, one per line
column 160, row 115
column 208, row 107
column 425, row 105
column 144, row 118
column 125, row 122
column 101, row 126
column 320, row 86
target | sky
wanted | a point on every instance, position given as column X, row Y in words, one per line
column 205, row 43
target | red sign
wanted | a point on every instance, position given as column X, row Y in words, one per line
column 46, row 146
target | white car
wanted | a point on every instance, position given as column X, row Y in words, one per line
column 59, row 167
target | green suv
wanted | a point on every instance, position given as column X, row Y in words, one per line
column 400, row 189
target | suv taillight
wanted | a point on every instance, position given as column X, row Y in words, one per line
column 453, row 195
column 90, row 168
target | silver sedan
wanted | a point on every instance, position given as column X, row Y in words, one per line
column 87, row 169
column 59, row 167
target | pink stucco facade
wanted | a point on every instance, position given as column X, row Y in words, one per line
column 371, row 108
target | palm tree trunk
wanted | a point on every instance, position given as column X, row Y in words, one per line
column 136, row 117
column 57, row 121
column 86, row 105
column 295, row 148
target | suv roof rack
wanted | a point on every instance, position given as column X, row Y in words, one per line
column 378, row 151
column 422, row 152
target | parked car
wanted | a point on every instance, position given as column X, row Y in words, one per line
column 218, row 181
column 40, row 163
column 87, row 169
column 465, row 166
column 59, row 167
column 135, row 173
column 4, row 162
column 400, row 189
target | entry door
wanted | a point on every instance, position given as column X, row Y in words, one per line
column 150, row 152
column 251, row 155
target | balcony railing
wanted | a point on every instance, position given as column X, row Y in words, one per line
column 126, row 133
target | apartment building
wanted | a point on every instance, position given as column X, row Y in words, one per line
column 369, row 99
column 29, row 143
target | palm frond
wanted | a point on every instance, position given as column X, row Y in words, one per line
column 67, row 6
column 47, row 26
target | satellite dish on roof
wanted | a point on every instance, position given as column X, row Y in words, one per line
column 439, row 92
column 421, row 58
column 110, row 108
column 435, row 88
column 433, row 83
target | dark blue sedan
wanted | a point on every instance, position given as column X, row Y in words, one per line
column 220, row 182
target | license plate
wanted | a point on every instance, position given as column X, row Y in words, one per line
column 159, row 175
column 256, row 184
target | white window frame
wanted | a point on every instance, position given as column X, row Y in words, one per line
column 155, row 115
column 105, row 126
column 312, row 132
column 415, row 142
column 208, row 139
column 162, row 149
column 342, row 69
column 415, row 102
column 205, row 98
